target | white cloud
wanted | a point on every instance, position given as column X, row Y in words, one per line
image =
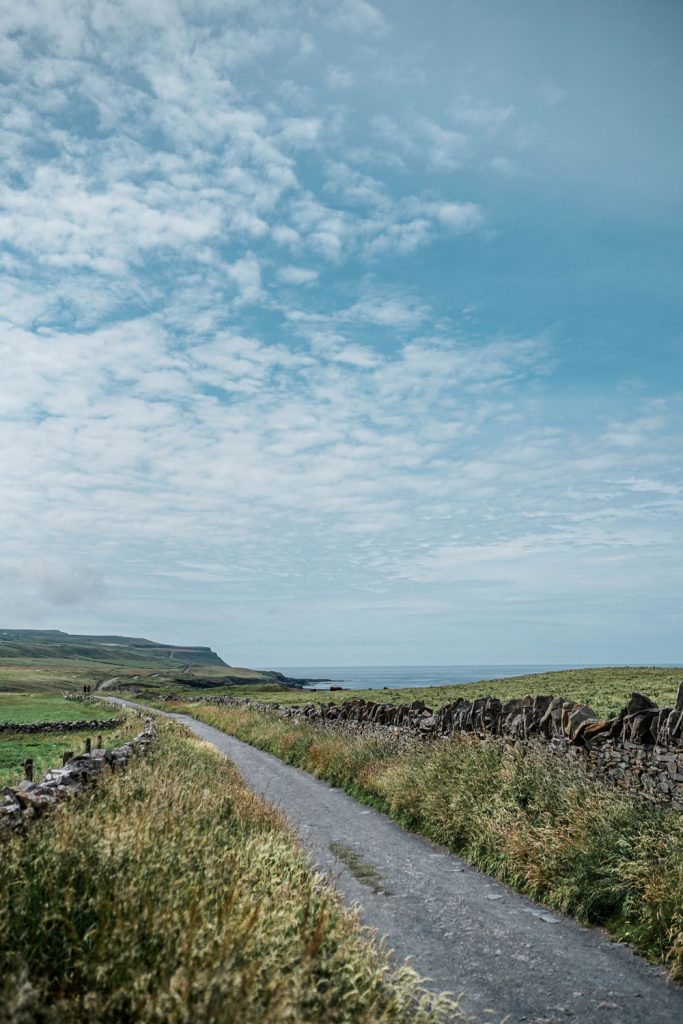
column 246, row 273
column 300, row 132
column 357, row 16
column 339, row 78
column 446, row 149
column 480, row 113
column 297, row 275
column 459, row 217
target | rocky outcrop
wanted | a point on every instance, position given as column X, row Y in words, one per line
column 640, row 749
column 92, row 724
column 20, row 805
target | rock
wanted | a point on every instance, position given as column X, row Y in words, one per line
column 679, row 697
column 639, row 702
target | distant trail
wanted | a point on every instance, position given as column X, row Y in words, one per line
column 461, row 929
column 106, row 683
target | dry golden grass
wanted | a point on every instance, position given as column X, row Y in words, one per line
column 173, row 894
column 522, row 815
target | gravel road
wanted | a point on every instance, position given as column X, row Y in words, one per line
column 502, row 953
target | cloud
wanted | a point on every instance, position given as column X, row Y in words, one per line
column 300, row 132
column 459, row 217
column 71, row 585
column 480, row 113
column 357, row 16
column 446, row 149
column 297, row 275
column 339, row 78
column 246, row 273
column 226, row 341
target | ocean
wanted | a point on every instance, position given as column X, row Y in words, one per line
column 375, row 677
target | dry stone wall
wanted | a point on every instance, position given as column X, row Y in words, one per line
column 20, row 805
column 92, row 724
column 640, row 749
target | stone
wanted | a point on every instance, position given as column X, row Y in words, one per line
column 639, row 702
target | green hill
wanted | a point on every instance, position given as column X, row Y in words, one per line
column 53, row 643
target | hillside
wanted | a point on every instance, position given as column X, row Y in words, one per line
column 53, row 643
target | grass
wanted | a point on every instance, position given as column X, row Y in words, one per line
column 606, row 690
column 45, row 750
column 543, row 827
column 54, row 675
column 360, row 868
column 171, row 893
column 26, row 707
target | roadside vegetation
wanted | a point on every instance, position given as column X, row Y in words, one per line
column 171, row 893
column 542, row 827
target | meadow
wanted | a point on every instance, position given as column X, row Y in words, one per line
column 171, row 893
column 45, row 750
column 26, row 707
column 543, row 827
column 606, row 690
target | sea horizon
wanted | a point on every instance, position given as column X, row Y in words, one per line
column 371, row 677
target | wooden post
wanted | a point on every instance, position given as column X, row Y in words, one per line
column 99, row 742
column 28, row 769
column 87, row 745
column 66, row 756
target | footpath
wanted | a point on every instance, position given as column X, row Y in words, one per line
column 470, row 935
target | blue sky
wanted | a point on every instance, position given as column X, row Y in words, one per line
column 344, row 333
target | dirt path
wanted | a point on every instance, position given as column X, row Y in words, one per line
column 108, row 682
column 466, row 932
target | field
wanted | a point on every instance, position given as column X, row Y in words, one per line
column 45, row 750
column 171, row 893
column 606, row 690
column 541, row 826
column 54, row 675
column 23, row 708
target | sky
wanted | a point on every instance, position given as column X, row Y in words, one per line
column 336, row 332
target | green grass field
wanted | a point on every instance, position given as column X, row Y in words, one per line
column 171, row 893
column 54, row 675
column 606, row 690
column 46, row 750
column 26, row 707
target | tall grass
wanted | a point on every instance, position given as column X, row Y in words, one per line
column 173, row 894
column 520, row 814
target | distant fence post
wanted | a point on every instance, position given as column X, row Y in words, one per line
column 28, row 769
column 66, row 756
column 87, row 745
column 99, row 742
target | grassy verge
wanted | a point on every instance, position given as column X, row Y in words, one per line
column 171, row 893
column 545, row 828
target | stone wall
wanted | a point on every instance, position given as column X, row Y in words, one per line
column 91, row 724
column 640, row 749
column 20, row 805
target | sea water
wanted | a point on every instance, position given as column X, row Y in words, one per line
column 375, row 677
